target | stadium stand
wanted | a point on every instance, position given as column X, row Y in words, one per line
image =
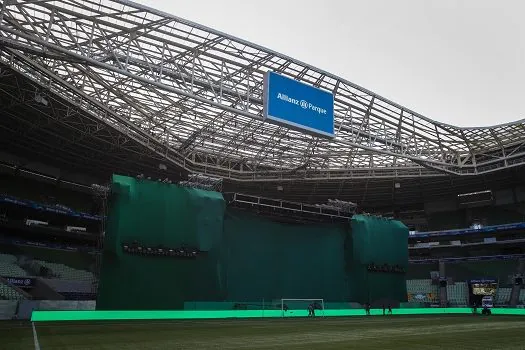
column 457, row 294
column 11, row 270
column 503, row 296
column 65, row 272
column 8, row 266
column 7, row 258
column 422, row 290
column 73, row 290
column 71, row 283
column 46, row 262
column 8, row 293
column 7, row 309
column 54, row 273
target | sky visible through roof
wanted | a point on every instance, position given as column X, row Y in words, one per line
column 458, row 62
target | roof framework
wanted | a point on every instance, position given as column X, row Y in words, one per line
column 193, row 96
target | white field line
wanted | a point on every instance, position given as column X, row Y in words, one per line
column 35, row 337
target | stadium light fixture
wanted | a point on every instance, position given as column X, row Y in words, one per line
column 475, row 198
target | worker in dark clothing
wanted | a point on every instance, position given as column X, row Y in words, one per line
column 311, row 310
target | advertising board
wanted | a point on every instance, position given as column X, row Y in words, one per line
column 298, row 105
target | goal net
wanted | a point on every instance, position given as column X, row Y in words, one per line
column 302, row 307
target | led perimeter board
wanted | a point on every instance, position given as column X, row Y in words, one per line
column 298, row 105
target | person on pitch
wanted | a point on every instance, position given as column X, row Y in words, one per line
column 311, row 310
column 367, row 309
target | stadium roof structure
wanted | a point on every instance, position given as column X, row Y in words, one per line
column 192, row 97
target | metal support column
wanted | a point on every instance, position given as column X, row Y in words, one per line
column 516, row 288
column 443, row 297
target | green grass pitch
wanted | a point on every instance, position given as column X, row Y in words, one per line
column 375, row 332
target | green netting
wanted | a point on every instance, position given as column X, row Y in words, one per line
column 271, row 260
column 154, row 213
column 377, row 241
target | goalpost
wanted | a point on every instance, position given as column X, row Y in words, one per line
column 299, row 307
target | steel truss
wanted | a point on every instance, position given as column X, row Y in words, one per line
column 193, row 96
column 202, row 182
column 286, row 210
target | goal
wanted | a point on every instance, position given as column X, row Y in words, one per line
column 299, row 307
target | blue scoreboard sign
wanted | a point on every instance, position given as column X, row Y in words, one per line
column 298, row 105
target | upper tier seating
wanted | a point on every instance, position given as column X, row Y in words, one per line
column 11, row 270
column 7, row 258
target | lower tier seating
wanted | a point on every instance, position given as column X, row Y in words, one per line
column 457, row 294
column 422, row 290
column 8, row 293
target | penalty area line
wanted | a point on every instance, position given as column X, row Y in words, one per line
column 35, row 337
